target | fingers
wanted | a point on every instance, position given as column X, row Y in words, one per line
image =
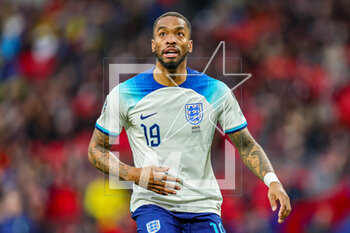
column 160, row 169
column 170, row 178
column 166, row 184
column 161, row 190
column 283, row 199
column 159, row 175
column 157, row 191
column 163, row 187
column 281, row 211
column 285, row 208
column 289, row 207
column 154, row 179
column 273, row 203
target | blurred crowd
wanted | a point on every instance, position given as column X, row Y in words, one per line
column 297, row 105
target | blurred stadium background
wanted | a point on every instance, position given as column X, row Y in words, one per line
column 51, row 92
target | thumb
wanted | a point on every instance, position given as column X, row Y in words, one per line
column 273, row 203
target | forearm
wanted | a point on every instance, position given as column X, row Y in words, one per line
column 256, row 160
column 106, row 162
column 101, row 157
column 251, row 153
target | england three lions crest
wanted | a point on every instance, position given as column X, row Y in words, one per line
column 153, row 226
column 194, row 113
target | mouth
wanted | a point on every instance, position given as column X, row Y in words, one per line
column 170, row 52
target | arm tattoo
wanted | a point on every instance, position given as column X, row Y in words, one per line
column 102, row 159
column 251, row 153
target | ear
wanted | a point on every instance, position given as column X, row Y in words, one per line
column 190, row 46
column 153, row 45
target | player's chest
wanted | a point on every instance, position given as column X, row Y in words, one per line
column 171, row 115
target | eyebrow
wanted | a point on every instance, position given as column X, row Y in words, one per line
column 177, row 28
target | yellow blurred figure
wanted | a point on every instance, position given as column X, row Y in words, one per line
column 107, row 205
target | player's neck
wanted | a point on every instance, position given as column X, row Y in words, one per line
column 170, row 77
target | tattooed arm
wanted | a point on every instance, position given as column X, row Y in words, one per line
column 103, row 160
column 251, row 153
column 256, row 160
column 148, row 177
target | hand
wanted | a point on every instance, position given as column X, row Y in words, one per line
column 152, row 178
column 276, row 192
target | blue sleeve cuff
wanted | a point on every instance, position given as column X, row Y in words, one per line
column 103, row 130
column 236, row 129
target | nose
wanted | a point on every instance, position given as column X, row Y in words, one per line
column 171, row 40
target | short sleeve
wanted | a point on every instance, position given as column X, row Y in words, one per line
column 113, row 117
column 231, row 117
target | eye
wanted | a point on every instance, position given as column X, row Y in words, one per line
column 180, row 34
column 162, row 34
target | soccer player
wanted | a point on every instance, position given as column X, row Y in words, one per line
column 169, row 113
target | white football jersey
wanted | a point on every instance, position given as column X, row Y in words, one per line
column 174, row 127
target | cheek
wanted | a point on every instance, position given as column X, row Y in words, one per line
column 157, row 49
column 157, row 45
column 185, row 47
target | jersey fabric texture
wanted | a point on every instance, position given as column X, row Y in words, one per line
column 152, row 218
column 174, row 127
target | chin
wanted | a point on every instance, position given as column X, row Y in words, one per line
column 172, row 63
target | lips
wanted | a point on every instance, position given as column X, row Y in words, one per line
column 170, row 52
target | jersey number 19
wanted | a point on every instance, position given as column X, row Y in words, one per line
column 153, row 133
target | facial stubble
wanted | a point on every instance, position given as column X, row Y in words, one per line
column 171, row 65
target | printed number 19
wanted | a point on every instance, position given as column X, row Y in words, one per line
column 153, row 133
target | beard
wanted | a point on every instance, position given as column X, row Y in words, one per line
column 170, row 65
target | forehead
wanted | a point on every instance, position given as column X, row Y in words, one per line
column 171, row 22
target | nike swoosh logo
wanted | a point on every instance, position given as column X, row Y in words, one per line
column 144, row 117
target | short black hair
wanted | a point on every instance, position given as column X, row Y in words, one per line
column 175, row 14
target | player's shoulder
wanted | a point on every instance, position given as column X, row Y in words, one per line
column 136, row 83
column 140, row 80
column 204, row 80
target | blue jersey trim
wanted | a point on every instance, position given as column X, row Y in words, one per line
column 236, row 129
column 135, row 89
column 103, row 130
